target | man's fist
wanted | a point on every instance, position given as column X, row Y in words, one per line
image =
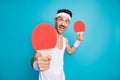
column 80, row 37
column 43, row 62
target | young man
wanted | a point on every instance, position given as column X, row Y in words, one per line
column 51, row 67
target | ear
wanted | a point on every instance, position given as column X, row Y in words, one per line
column 55, row 20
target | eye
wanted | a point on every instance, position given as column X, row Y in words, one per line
column 59, row 19
column 67, row 21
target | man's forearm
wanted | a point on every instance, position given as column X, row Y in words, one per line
column 72, row 49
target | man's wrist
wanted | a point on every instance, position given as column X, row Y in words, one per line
column 35, row 65
column 76, row 44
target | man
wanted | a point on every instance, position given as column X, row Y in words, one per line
column 51, row 67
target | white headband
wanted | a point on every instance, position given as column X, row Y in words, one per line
column 64, row 14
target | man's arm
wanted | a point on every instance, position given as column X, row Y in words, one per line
column 71, row 49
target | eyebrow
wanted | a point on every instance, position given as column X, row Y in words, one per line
column 59, row 17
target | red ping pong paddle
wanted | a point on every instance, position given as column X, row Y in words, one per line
column 44, row 38
column 79, row 27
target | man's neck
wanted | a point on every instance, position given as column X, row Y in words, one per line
column 59, row 35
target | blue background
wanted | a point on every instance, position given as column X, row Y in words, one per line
column 97, row 58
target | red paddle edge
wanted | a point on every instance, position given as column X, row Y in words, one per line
column 48, row 31
column 79, row 26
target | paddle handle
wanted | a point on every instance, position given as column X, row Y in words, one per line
column 79, row 33
column 44, row 53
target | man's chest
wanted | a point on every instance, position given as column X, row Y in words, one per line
column 60, row 43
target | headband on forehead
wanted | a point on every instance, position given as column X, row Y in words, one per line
column 64, row 14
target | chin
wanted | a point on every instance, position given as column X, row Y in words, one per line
column 60, row 32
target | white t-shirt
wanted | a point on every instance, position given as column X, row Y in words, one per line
column 55, row 71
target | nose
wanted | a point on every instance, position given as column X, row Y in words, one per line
column 63, row 23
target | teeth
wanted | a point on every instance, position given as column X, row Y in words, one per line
column 61, row 28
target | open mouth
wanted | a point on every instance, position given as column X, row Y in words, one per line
column 61, row 28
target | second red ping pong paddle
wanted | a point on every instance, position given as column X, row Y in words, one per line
column 44, row 38
column 79, row 27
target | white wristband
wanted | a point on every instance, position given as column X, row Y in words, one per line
column 76, row 44
column 35, row 65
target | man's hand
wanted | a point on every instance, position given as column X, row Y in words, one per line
column 80, row 37
column 44, row 62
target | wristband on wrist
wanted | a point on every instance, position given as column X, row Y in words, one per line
column 35, row 65
column 76, row 44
